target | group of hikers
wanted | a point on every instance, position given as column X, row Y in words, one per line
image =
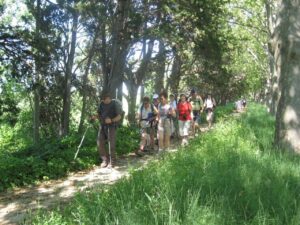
column 159, row 120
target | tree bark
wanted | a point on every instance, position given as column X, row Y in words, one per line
column 65, row 121
column 272, row 82
column 85, row 81
column 287, row 57
column 119, row 50
column 136, row 79
column 37, row 106
column 174, row 78
column 160, row 72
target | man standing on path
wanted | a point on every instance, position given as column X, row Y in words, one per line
column 109, row 113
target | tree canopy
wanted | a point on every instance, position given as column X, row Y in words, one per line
column 64, row 53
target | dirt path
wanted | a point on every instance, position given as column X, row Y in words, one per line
column 15, row 205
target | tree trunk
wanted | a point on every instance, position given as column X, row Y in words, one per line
column 134, row 80
column 132, row 93
column 174, row 79
column 37, row 107
column 120, row 43
column 272, row 82
column 67, row 82
column 161, row 63
column 287, row 55
column 85, row 81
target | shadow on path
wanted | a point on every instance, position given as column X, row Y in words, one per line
column 16, row 204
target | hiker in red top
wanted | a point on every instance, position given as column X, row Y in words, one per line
column 184, row 109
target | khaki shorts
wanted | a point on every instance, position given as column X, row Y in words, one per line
column 164, row 127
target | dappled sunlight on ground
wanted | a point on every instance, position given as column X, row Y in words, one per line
column 16, row 204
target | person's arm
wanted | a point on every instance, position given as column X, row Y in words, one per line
column 201, row 104
column 173, row 112
column 113, row 120
column 155, row 110
column 116, row 119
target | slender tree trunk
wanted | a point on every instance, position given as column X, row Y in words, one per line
column 85, row 81
column 37, row 107
column 68, row 76
column 161, row 64
column 136, row 79
column 119, row 52
column 174, row 79
column 132, row 92
column 287, row 55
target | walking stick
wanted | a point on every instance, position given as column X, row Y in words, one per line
column 79, row 146
column 108, row 139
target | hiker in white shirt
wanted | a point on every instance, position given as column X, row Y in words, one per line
column 209, row 105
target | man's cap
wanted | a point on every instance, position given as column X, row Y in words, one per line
column 193, row 91
column 155, row 96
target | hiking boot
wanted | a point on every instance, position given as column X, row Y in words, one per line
column 104, row 164
column 140, row 152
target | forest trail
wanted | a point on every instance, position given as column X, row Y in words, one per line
column 16, row 204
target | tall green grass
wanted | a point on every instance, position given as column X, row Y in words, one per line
column 230, row 175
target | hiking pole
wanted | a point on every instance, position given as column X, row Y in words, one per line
column 109, row 149
column 79, row 146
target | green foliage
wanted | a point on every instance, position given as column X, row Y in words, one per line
column 128, row 139
column 22, row 163
column 9, row 109
column 224, row 113
column 230, row 175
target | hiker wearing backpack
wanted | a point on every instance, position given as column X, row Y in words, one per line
column 209, row 106
column 165, row 114
column 184, row 109
column 109, row 114
column 197, row 104
column 147, row 119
